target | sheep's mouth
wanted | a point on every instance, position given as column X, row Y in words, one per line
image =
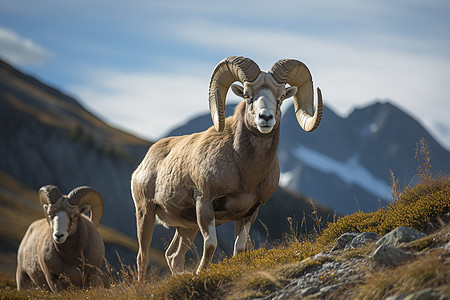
column 265, row 128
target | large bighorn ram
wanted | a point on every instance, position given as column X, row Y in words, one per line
column 65, row 248
column 227, row 172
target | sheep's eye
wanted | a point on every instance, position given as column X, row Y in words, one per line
column 248, row 98
column 282, row 97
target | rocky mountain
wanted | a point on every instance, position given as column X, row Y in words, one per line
column 47, row 137
column 345, row 163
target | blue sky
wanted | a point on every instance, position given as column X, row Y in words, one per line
column 144, row 66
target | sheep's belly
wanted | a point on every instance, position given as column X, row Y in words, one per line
column 226, row 208
column 233, row 208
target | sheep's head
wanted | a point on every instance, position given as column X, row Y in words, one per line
column 62, row 212
column 264, row 92
column 263, row 97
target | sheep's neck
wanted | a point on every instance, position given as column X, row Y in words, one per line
column 256, row 153
column 73, row 245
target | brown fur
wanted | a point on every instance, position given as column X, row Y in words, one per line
column 235, row 170
column 43, row 263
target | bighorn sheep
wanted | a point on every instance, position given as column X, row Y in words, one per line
column 227, row 172
column 65, row 248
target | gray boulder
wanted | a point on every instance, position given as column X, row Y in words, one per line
column 399, row 235
column 362, row 239
column 389, row 256
column 426, row 294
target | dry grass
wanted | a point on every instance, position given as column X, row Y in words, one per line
column 431, row 271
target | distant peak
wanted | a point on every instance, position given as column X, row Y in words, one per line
column 377, row 107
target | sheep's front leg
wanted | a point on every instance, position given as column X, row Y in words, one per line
column 207, row 223
column 25, row 282
column 55, row 282
column 242, row 230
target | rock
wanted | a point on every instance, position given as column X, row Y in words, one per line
column 362, row 239
column 447, row 246
column 330, row 288
column 343, row 240
column 353, row 240
column 309, row 291
column 426, row 294
column 388, row 255
column 399, row 235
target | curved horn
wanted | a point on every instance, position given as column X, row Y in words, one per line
column 88, row 195
column 296, row 73
column 48, row 194
column 229, row 70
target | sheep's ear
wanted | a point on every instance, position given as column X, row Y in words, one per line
column 290, row 91
column 45, row 207
column 85, row 208
column 238, row 90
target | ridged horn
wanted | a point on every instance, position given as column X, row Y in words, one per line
column 296, row 73
column 48, row 194
column 229, row 70
column 88, row 195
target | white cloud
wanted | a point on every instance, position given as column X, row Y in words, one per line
column 19, row 50
column 146, row 104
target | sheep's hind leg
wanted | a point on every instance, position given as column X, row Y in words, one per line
column 207, row 223
column 145, row 223
column 181, row 243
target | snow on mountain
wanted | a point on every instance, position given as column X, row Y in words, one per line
column 351, row 171
column 346, row 162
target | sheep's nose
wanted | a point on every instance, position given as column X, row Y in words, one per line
column 58, row 235
column 265, row 117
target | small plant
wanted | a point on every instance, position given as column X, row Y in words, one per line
column 395, row 190
column 317, row 219
column 423, row 161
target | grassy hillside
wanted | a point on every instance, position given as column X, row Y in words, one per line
column 262, row 272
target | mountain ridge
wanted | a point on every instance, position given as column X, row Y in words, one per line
column 351, row 157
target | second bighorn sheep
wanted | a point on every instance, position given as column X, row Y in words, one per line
column 65, row 248
column 227, row 172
